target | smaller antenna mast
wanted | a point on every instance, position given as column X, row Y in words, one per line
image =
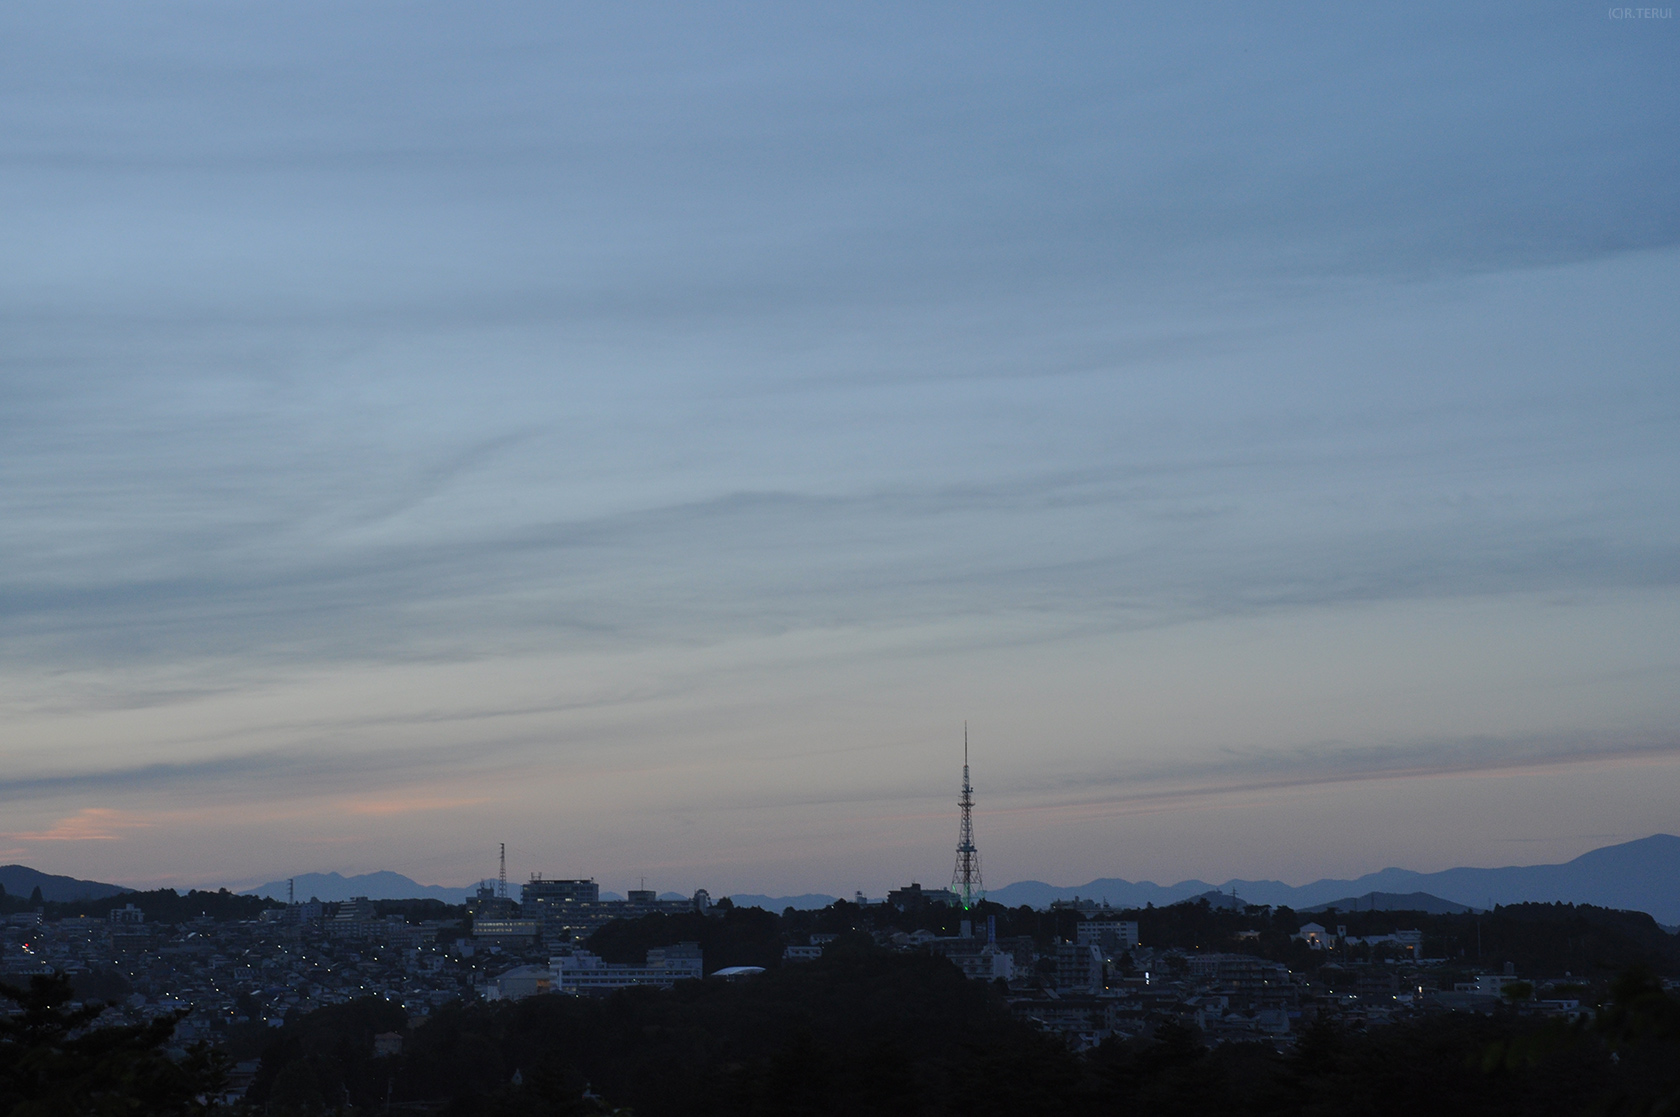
column 501, row 877
column 291, row 891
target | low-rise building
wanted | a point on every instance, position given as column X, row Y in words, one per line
column 353, row 917
column 127, row 914
column 1493, row 984
column 525, row 981
column 510, row 932
column 1113, row 936
column 571, row 910
column 581, row 971
column 1079, row 969
column 489, row 903
column 986, row 964
column 914, row 897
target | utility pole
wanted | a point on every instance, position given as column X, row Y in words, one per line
column 965, row 877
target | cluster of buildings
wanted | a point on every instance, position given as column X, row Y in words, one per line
column 240, row 977
column 562, row 912
column 1105, row 983
column 579, row 971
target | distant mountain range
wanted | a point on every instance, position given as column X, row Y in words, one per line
column 21, row 880
column 1642, row 875
column 383, row 885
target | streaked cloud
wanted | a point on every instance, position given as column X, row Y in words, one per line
column 395, row 399
column 410, row 804
column 90, row 824
column 1328, row 765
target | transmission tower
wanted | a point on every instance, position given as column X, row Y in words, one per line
column 501, row 877
column 965, row 878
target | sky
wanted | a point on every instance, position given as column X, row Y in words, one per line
column 646, row 435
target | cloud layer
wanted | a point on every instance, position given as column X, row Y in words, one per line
column 424, row 411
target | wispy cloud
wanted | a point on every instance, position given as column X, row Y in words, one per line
column 1131, row 547
column 300, row 770
column 1135, row 786
column 1329, row 764
column 410, row 804
column 90, row 824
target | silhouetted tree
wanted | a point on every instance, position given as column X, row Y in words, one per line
column 53, row 1061
column 1642, row 1027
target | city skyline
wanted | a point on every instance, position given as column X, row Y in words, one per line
column 646, row 438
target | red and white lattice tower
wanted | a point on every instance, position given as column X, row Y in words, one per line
column 966, row 881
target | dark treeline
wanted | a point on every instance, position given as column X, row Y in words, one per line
column 1043, row 927
column 162, row 905
column 1544, row 939
column 870, row 1031
column 165, row 905
column 418, row 911
column 730, row 936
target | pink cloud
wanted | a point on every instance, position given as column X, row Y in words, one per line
column 90, row 824
column 408, row 804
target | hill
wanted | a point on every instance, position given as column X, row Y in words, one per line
column 20, row 881
column 1641, row 875
column 1394, row 901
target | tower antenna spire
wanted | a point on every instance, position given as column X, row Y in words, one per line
column 966, row 881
